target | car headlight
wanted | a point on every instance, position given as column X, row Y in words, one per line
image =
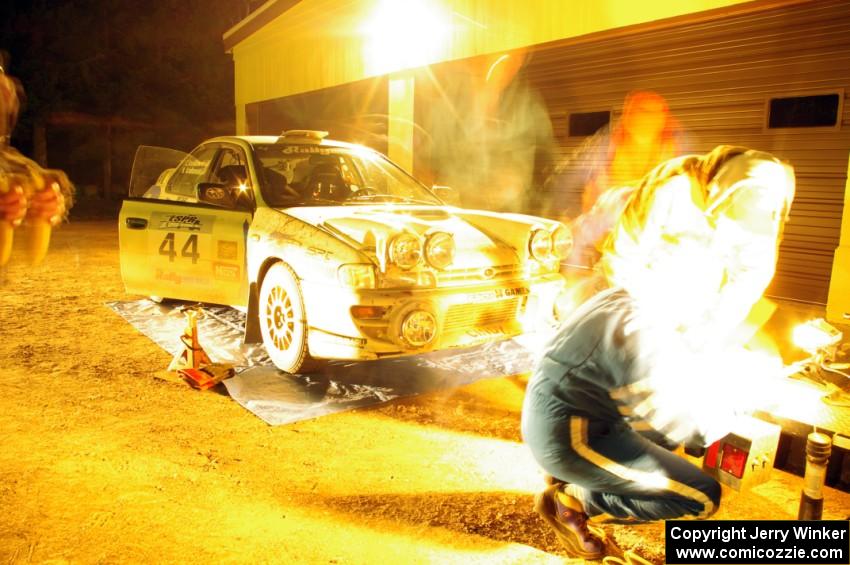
column 405, row 250
column 419, row 328
column 562, row 241
column 440, row 250
column 357, row 275
column 540, row 244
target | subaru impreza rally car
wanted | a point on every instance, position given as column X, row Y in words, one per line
column 332, row 250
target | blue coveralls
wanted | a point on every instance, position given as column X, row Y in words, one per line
column 579, row 420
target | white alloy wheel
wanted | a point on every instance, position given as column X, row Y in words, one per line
column 282, row 320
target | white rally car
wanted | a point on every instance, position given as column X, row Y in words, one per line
column 334, row 251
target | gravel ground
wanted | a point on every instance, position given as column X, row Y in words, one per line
column 101, row 462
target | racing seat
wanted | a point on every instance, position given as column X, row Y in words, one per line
column 279, row 190
column 232, row 176
column 326, row 182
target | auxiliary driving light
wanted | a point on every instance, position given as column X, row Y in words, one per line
column 419, row 328
column 405, row 250
column 540, row 244
column 440, row 250
column 562, row 241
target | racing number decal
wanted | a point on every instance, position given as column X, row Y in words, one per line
column 189, row 249
column 167, row 247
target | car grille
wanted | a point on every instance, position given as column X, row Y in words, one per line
column 478, row 274
column 468, row 316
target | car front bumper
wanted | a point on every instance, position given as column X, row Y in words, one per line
column 465, row 316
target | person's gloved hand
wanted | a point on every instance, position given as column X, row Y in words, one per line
column 47, row 204
column 13, row 208
column 13, row 203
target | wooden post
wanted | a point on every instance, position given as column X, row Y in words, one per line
column 39, row 142
column 107, row 164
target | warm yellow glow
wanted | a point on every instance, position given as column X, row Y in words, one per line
column 795, row 400
column 332, row 33
column 363, row 152
column 496, row 64
column 815, row 335
column 403, row 35
column 243, row 187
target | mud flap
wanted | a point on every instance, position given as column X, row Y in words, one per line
column 252, row 321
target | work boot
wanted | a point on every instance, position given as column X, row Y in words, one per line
column 569, row 522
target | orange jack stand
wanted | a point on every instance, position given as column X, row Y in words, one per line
column 193, row 355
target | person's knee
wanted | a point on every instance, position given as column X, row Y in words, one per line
column 713, row 491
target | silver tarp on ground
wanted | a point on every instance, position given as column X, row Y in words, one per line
column 280, row 398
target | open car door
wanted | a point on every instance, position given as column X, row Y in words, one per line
column 172, row 245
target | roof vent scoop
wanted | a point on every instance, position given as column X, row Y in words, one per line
column 302, row 136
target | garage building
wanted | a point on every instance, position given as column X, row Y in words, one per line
column 771, row 75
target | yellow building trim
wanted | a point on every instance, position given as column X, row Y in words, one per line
column 316, row 44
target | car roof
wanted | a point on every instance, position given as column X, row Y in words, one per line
column 275, row 140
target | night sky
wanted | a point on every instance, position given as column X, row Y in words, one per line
column 160, row 65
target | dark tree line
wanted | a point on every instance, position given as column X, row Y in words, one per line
column 159, row 63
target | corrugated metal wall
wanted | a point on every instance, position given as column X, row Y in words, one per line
column 717, row 77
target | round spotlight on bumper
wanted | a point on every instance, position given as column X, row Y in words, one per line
column 562, row 241
column 419, row 328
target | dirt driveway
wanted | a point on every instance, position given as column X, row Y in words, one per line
column 100, row 462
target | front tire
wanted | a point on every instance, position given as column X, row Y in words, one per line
column 283, row 323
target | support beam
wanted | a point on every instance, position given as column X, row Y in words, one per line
column 400, row 120
column 107, row 164
column 241, row 121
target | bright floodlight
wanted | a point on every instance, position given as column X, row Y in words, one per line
column 402, row 35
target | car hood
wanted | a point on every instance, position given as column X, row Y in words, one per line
column 483, row 239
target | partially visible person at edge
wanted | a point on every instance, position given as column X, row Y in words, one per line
column 629, row 375
column 18, row 172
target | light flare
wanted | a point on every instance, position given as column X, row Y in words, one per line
column 815, row 335
column 403, row 35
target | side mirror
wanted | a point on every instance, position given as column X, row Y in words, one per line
column 447, row 194
column 216, row 194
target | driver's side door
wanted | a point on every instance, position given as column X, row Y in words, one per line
column 180, row 246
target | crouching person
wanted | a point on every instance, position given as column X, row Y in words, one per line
column 599, row 422
column 643, row 366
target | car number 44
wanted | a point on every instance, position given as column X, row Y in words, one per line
column 188, row 251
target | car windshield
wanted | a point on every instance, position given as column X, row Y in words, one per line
column 313, row 175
